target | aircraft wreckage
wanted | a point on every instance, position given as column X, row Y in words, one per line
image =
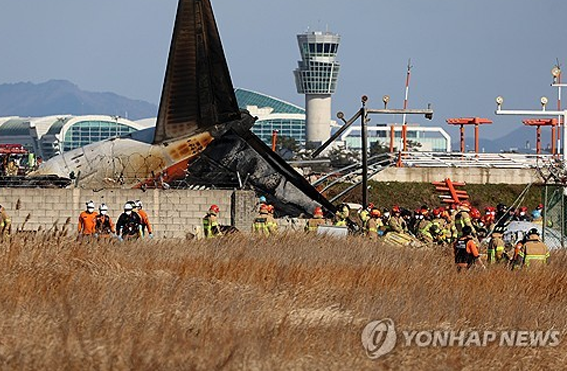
column 200, row 132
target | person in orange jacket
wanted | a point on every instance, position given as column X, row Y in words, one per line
column 466, row 251
column 144, row 218
column 87, row 220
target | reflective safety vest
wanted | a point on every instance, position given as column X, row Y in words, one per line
column 533, row 250
column 210, row 226
column 423, row 229
column 461, row 220
column 496, row 248
column 314, row 223
column 341, row 223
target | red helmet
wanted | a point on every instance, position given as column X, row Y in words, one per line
column 264, row 208
column 523, row 209
column 318, row 211
column 375, row 213
column 271, row 208
column 475, row 214
column 539, row 207
column 437, row 212
column 396, row 209
column 214, row 209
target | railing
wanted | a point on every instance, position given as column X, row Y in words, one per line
column 473, row 160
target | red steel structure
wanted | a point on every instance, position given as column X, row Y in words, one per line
column 476, row 121
column 538, row 123
column 449, row 193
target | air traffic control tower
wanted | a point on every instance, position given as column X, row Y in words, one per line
column 316, row 77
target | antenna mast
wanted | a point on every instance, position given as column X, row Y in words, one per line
column 404, row 122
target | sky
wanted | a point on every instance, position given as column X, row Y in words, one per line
column 464, row 53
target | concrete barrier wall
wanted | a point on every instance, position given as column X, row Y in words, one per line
column 173, row 213
column 467, row 175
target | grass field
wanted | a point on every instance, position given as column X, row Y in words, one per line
column 292, row 302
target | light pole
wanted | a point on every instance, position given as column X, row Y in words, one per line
column 556, row 73
column 542, row 112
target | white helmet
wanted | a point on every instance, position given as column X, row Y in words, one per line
column 128, row 206
column 90, row 206
column 103, row 209
column 139, row 204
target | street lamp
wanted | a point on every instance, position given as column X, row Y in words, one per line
column 542, row 112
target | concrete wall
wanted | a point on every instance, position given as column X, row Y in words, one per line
column 467, row 175
column 173, row 213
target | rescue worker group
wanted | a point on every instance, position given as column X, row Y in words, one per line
column 459, row 226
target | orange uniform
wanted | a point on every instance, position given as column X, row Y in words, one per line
column 87, row 223
column 145, row 220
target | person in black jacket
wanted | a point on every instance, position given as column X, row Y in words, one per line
column 129, row 224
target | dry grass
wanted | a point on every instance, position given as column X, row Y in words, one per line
column 294, row 302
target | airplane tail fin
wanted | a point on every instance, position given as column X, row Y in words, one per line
column 197, row 91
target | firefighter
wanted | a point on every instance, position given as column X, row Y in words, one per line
column 397, row 223
column 5, row 224
column 463, row 219
column 531, row 251
column 129, row 224
column 478, row 225
column 496, row 247
column 522, row 215
column 439, row 228
column 104, row 227
column 261, row 201
column 385, row 220
column 87, row 221
column 272, row 224
column 364, row 213
column 211, row 226
column 373, row 224
column 341, row 216
column 317, row 220
column 423, row 229
column 466, row 251
column 488, row 218
column 260, row 225
column 144, row 218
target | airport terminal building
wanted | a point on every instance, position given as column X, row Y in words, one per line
column 273, row 114
column 52, row 135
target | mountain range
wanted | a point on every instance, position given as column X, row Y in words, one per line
column 521, row 140
column 57, row 97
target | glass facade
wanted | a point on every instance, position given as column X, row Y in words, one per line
column 318, row 71
column 290, row 128
column 288, row 119
column 86, row 132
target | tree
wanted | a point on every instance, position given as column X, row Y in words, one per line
column 377, row 148
column 286, row 147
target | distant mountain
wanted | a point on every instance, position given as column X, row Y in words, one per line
column 522, row 140
column 57, row 97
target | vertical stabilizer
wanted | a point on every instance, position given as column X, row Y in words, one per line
column 197, row 92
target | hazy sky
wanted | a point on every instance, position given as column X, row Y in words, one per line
column 464, row 52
